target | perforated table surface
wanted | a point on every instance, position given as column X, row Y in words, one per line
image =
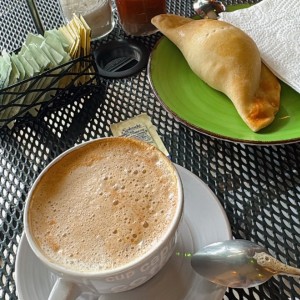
column 258, row 186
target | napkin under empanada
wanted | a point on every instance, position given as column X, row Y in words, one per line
column 228, row 60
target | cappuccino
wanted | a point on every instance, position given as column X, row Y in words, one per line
column 104, row 204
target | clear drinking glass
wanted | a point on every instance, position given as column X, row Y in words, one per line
column 135, row 15
column 97, row 13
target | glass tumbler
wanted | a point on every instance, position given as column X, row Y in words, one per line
column 97, row 13
column 135, row 15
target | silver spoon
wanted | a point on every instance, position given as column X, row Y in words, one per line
column 208, row 8
column 238, row 264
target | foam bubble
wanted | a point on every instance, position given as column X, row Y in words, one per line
column 270, row 262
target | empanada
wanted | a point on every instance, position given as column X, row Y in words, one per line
column 228, row 60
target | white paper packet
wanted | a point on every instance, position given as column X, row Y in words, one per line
column 139, row 127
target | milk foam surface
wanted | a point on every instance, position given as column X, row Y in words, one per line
column 103, row 205
column 268, row 261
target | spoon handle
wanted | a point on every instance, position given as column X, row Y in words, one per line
column 275, row 266
column 290, row 271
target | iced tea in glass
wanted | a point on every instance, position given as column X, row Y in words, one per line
column 135, row 15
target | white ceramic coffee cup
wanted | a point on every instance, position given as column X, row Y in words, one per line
column 131, row 275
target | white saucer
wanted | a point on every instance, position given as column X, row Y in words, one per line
column 204, row 222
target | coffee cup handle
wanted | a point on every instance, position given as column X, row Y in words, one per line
column 64, row 290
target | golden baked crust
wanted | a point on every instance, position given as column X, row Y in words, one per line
column 228, row 60
column 266, row 101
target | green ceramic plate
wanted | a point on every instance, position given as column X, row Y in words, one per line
column 208, row 111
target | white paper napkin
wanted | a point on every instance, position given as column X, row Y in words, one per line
column 275, row 27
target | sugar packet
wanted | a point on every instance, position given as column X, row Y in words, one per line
column 139, row 127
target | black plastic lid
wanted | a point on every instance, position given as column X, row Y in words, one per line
column 120, row 58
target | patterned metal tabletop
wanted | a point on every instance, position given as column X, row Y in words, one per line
column 258, row 186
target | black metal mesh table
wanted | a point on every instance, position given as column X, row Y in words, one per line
column 259, row 186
